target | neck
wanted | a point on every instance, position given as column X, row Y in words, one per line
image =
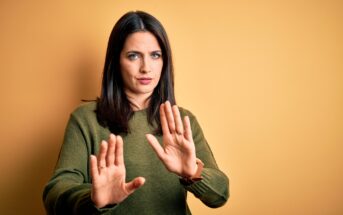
column 138, row 102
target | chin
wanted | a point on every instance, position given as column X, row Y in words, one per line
column 144, row 91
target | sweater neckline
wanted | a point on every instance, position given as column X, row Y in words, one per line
column 142, row 111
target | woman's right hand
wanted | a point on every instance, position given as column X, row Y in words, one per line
column 108, row 174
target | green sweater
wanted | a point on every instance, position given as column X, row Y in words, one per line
column 68, row 191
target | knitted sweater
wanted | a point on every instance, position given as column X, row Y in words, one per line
column 68, row 191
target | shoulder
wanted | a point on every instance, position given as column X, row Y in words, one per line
column 84, row 116
column 85, row 108
column 85, row 111
column 185, row 112
column 196, row 128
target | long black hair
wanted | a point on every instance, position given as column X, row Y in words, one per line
column 113, row 108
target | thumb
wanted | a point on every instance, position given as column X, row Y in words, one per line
column 155, row 145
column 134, row 184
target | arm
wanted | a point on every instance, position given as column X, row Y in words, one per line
column 182, row 144
column 70, row 190
column 213, row 189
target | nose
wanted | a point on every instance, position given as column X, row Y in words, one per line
column 145, row 65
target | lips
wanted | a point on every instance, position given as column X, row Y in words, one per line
column 144, row 80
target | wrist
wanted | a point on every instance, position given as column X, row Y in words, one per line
column 196, row 177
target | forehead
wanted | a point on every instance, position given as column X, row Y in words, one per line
column 141, row 41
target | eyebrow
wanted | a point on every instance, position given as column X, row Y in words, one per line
column 138, row 52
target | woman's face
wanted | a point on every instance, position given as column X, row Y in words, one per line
column 140, row 64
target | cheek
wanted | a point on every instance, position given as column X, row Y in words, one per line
column 158, row 75
column 127, row 69
column 158, row 67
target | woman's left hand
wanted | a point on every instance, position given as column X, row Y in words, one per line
column 178, row 151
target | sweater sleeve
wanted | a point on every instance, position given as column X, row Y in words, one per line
column 68, row 191
column 213, row 189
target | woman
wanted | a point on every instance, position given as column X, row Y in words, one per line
column 133, row 173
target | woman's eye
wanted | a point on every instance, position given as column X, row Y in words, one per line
column 155, row 55
column 132, row 56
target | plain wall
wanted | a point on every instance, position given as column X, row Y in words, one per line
column 264, row 78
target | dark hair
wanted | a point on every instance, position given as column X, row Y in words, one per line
column 113, row 108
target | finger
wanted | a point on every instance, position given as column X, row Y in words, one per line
column 102, row 155
column 170, row 117
column 94, row 167
column 111, row 149
column 164, row 122
column 155, row 145
column 119, row 154
column 134, row 184
column 188, row 129
column 178, row 121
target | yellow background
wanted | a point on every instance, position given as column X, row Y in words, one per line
column 264, row 78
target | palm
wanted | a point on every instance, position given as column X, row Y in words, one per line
column 178, row 151
column 108, row 174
